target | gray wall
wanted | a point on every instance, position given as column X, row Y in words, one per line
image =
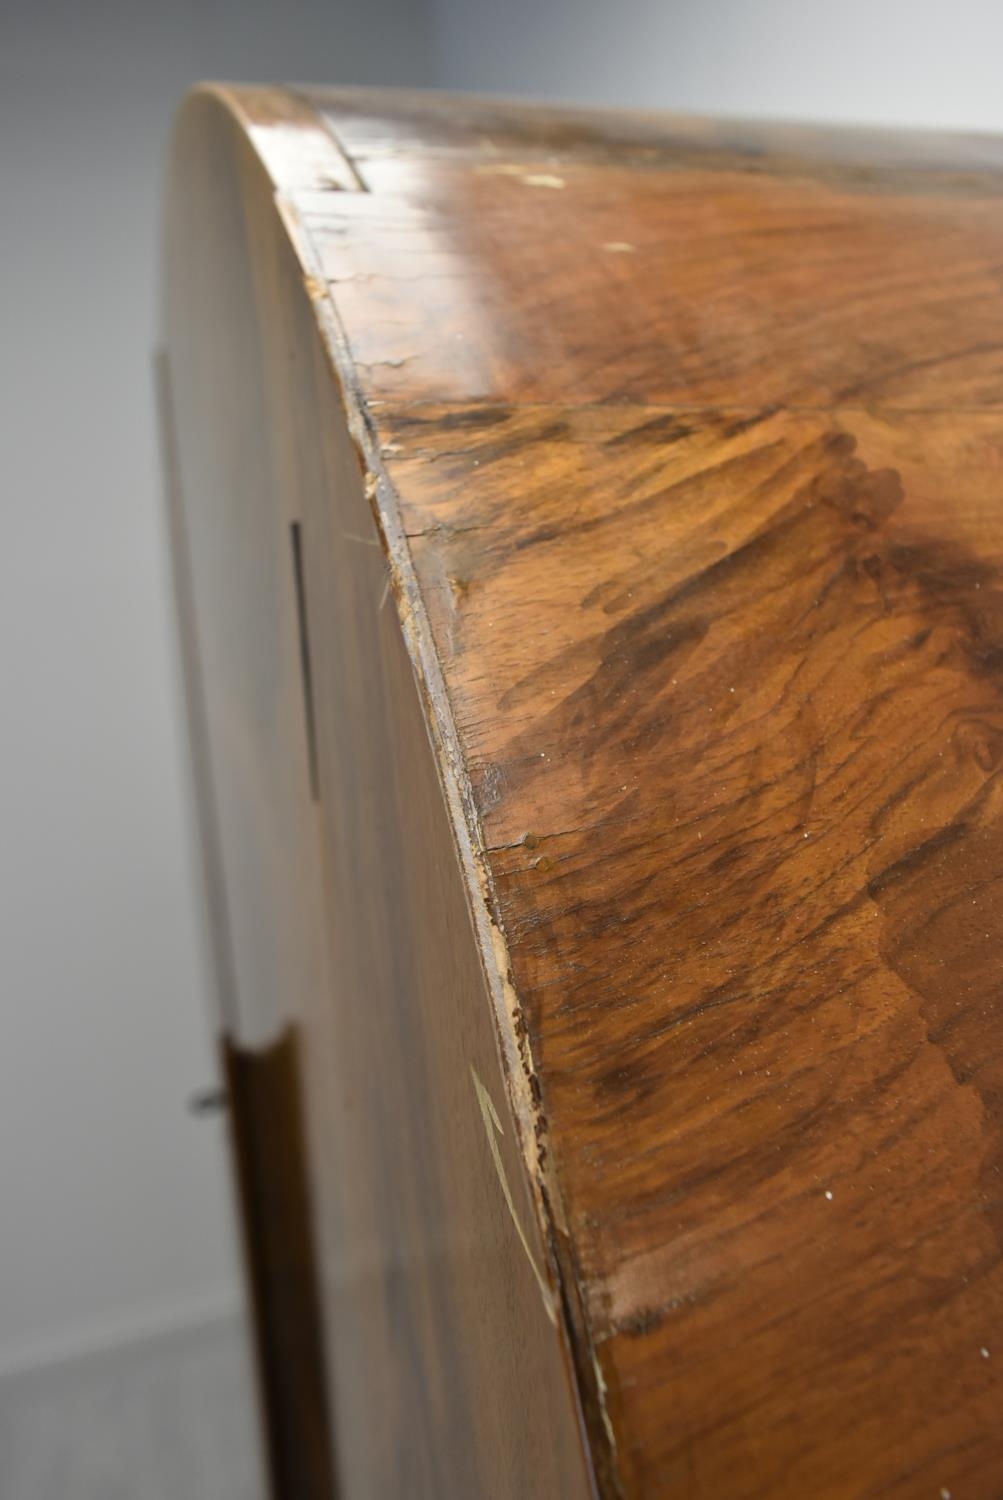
column 884, row 61
column 114, row 1201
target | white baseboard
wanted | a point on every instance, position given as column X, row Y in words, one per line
column 226, row 1304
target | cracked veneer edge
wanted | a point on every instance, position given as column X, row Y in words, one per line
column 464, row 819
column 518, row 1066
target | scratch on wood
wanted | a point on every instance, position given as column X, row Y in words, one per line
column 493, row 1128
column 603, row 1412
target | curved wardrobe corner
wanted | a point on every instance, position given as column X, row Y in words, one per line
column 588, row 531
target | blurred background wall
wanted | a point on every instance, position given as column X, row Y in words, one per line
column 115, row 1204
column 920, row 62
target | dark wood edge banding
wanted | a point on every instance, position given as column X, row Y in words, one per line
column 278, row 1241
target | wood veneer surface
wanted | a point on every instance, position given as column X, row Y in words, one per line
column 684, row 445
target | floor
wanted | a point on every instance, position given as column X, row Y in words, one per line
column 171, row 1418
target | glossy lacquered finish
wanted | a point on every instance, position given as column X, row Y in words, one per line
column 681, row 448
